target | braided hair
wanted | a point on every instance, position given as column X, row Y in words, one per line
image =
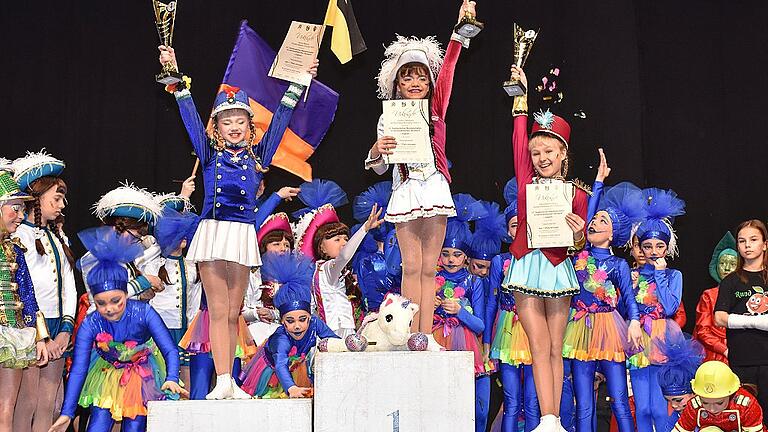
column 37, row 188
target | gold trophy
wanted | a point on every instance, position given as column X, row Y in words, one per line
column 523, row 42
column 469, row 26
column 165, row 16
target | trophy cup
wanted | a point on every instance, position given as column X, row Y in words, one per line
column 469, row 26
column 523, row 42
column 165, row 16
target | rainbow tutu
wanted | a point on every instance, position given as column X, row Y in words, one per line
column 510, row 343
column 197, row 339
column 449, row 333
column 123, row 376
column 653, row 341
column 593, row 336
column 259, row 378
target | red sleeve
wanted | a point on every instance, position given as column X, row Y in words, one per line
column 580, row 204
column 444, row 83
column 687, row 420
column 523, row 162
column 752, row 419
column 705, row 323
column 680, row 317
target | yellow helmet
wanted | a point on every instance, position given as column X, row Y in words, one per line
column 710, row 429
column 714, row 380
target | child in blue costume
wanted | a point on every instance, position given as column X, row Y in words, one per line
column 459, row 304
column 684, row 356
column 225, row 245
column 657, row 291
column 484, row 246
column 124, row 355
column 597, row 334
column 280, row 368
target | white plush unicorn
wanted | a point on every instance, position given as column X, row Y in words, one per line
column 387, row 330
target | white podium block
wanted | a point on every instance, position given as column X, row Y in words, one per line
column 294, row 415
column 395, row 392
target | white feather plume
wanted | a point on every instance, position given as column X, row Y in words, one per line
column 128, row 195
column 6, row 165
column 34, row 162
column 301, row 225
column 388, row 73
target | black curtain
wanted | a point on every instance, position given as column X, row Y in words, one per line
column 672, row 90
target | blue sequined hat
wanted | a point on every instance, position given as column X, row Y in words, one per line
column 231, row 97
column 35, row 165
column 684, row 356
column 457, row 233
column 378, row 194
column 624, row 205
column 128, row 201
column 294, row 275
column 661, row 208
column 489, row 231
column 510, row 196
column 111, row 251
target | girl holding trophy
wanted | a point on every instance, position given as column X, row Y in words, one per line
column 225, row 245
column 421, row 197
column 543, row 278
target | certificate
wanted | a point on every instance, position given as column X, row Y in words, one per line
column 407, row 120
column 546, row 207
column 298, row 53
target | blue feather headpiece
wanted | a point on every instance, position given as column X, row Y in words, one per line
column 489, row 231
column 510, row 196
column 318, row 193
column 661, row 208
column 624, row 204
column 173, row 227
column 457, row 233
column 378, row 194
column 294, row 275
column 111, row 251
column 684, row 356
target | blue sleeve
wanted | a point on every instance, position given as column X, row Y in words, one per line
column 274, row 134
column 194, row 126
column 281, row 345
column 323, row 331
column 25, row 287
column 627, row 299
column 594, row 200
column 165, row 343
column 669, row 289
column 266, row 208
column 495, row 273
column 80, row 361
column 475, row 320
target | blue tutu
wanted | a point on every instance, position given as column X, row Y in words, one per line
column 535, row 275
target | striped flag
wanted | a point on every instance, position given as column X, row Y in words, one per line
column 346, row 39
column 248, row 67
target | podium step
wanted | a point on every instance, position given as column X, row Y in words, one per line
column 396, row 391
column 294, row 415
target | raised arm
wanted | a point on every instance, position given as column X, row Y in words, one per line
column 336, row 265
column 444, row 84
column 271, row 140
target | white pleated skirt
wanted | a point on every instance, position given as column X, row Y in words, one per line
column 414, row 199
column 217, row 240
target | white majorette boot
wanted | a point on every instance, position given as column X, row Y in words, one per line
column 548, row 423
column 237, row 392
column 223, row 388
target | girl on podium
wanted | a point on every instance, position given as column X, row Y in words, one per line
column 421, row 198
column 225, row 245
column 544, row 279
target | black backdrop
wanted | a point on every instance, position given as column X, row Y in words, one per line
column 672, row 90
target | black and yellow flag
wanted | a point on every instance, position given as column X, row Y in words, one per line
column 346, row 39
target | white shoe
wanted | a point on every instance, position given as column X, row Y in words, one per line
column 238, row 393
column 560, row 427
column 548, row 423
column 223, row 389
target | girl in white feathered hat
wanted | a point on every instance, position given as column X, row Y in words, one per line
column 421, row 198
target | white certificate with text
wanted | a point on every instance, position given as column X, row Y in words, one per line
column 546, row 207
column 407, row 120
